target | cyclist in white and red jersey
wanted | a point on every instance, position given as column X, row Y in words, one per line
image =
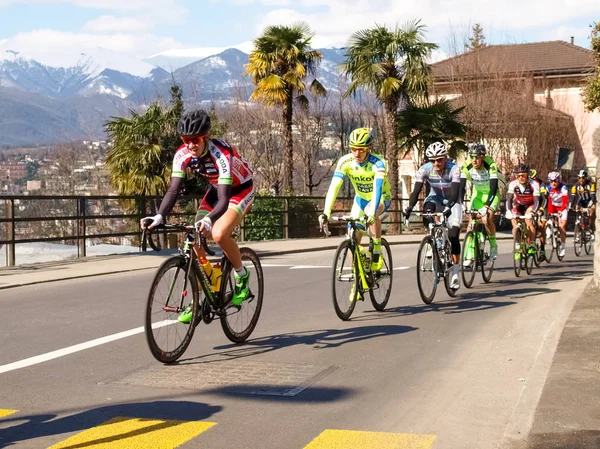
column 558, row 203
column 225, row 203
column 523, row 198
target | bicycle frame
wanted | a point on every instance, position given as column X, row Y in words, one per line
column 353, row 229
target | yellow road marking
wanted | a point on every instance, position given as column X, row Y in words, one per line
column 123, row 432
column 6, row 412
column 352, row 439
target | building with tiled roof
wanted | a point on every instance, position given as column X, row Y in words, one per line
column 548, row 76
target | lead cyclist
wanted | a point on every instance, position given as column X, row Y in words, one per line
column 373, row 195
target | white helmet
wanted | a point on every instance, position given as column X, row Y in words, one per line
column 436, row 150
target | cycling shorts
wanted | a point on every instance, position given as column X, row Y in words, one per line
column 241, row 200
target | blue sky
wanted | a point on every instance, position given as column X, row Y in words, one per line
column 59, row 30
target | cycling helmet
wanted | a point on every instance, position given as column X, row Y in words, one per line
column 477, row 149
column 532, row 173
column 360, row 137
column 195, row 123
column 554, row 176
column 436, row 150
column 521, row 168
column 582, row 174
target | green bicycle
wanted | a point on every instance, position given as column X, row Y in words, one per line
column 476, row 252
column 352, row 274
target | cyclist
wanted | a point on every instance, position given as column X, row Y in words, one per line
column 558, row 201
column 482, row 172
column 583, row 194
column 523, row 198
column 542, row 210
column 227, row 200
column 443, row 177
column 373, row 195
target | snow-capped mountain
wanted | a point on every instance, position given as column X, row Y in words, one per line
column 92, row 92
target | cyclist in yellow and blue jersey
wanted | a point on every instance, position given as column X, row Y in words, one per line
column 373, row 195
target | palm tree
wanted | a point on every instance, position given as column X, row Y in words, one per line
column 392, row 65
column 143, row 146
column 279, row 65
column 421, row 125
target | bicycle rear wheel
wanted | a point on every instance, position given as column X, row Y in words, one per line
column 427, row 270
column 168, row 338
column 446, row 265
column 344, row 286
column 238, row 322
column 578, row 239
column 381, row 281
column 517, row 252
column 487, row 262
column 468, row 272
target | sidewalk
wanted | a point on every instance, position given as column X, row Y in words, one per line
column 99, row 265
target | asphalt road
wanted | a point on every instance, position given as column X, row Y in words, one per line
column 465, row 372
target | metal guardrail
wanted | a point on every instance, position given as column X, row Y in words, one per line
column 74, row 218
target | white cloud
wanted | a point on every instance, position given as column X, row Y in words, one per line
column 119, row 51
column 503, row 21
column 111, row 24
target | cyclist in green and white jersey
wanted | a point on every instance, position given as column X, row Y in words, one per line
column 482, row 172
column 373, row 195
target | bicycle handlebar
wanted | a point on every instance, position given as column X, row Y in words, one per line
column 179, row 227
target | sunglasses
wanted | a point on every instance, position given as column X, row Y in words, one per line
column 522, row 175
column 439, row 161
column 358, row 150
column 195, row 140
column 474, row 156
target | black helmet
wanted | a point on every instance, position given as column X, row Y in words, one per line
column 195, row 123
column 582, row 174
column 521, row 168
column 477, row 149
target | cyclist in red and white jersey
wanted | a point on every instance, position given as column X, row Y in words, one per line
column 558, row 202
column 523, row 198
column 225, row 203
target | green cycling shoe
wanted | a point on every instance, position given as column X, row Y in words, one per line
column 242, row 288
column 185, row 317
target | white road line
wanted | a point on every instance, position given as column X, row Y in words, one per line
column 76, row 348
column 303, row 267
column 401, row 268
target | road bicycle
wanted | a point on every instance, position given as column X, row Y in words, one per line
column 582, row 235
column 522, row 260
column 352, row 274
column 476, row 251
column 434, row 259
column 182, row 285
column 553, row 238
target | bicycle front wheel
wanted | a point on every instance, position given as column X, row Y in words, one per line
column 170, row 295
column 588, row 241
column 550, row 241
column 427, row 270
column 468, row 263
column 487, row 261
column 344, row 286
column 238, row 322
column 517, row 252
column 578, row 239
column 446, row 265
column 381, row 281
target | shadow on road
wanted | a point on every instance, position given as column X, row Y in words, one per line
column 310, row 394
column 35, row 426
column 319, row 339
column 578, row 439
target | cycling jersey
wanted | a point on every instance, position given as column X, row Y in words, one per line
column 584, row 195
column 558, row 200
column 523, row 194
column 440, row 183
column 484, row 182
column 368, row 178
column 221, row 164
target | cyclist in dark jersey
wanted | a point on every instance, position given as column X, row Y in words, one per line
column 225, row 203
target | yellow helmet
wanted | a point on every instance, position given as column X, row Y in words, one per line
column 360, row 137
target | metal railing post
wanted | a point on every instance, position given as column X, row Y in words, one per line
column 10, row 249
column 286, row 218
column 81, row 203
